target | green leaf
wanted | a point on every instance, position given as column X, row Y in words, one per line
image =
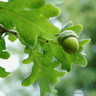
column 22, row 40
column 85, row 41
column 76, row 28
column 42, row 70
column 2, row 44
column 4, row 55
column 3, row 73
column 68, row 24
column 30, row 23
column 30, row 17
column 27, row 4
column 46, row 56
column 79, row 59
column 64, row 58
column 12, row 38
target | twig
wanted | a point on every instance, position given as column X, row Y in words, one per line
column 3, row 29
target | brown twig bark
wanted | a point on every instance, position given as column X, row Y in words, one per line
column 4, row 30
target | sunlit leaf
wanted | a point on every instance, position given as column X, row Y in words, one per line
column 12, row 38
column 42, row 70
column 29, row 20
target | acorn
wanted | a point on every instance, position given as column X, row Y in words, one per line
column 69, row 41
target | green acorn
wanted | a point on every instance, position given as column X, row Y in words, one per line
column 69, row 42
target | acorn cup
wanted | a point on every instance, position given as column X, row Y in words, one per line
column 69, row 42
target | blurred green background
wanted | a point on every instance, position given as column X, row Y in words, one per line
column 79, row 81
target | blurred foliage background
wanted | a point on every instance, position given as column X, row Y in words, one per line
column 84, row 79
column 78, row 80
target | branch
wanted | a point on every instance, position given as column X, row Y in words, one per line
column 3, row 29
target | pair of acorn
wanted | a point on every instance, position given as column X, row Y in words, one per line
column 68, row 39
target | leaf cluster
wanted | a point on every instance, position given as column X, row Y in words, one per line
column 38, row 35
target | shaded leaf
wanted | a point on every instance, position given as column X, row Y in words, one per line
column 2, row 44
column 4, row 55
